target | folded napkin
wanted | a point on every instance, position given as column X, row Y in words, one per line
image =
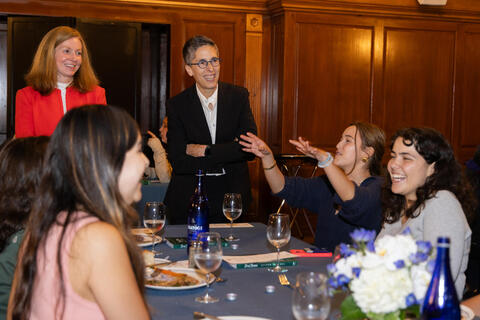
column 257, row 258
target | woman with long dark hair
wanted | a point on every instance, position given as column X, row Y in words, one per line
column 347, row 196
column 78, row 259
column 20, row 169
column 427, row 193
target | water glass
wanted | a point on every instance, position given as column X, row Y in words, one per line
column 310, row 300
column 208, row 257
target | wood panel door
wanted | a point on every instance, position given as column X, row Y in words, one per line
column 115, row 53
column 467, row 89
column 418, row 75
column 328, row 77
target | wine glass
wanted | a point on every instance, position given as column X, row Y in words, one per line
column 232, row 209
column 154, row 218
column 310, row 298
column 208, row 258
column 278, row 234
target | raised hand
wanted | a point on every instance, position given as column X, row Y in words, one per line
column 304, row 147
column 255, row 145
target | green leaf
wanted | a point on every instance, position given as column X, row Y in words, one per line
column 350, row 310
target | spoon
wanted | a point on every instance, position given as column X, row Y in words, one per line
column 201, row 315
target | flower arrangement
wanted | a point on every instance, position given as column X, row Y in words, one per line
column 387, row 278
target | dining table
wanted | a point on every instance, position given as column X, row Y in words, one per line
column 248, row 284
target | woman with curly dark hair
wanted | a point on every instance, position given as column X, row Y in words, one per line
column 426, row 192
column 20, row 169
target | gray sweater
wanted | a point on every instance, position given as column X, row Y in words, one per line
column 442, row 216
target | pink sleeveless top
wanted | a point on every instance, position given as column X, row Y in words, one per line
column 46, row 290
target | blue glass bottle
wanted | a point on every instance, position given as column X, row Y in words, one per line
column 197, row 212
column 441, row 301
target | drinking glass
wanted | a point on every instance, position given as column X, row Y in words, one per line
column 310, row 298
column 154, row 218
column 278, row 234
column 232, row 209
column 208, row 258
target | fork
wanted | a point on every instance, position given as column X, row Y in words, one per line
column 284, row 280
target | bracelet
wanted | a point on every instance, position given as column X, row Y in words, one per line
column 327, row 161
column 270, row 168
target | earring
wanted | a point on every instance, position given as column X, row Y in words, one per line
column 364, row 159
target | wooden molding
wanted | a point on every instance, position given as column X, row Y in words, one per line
column 254, row 23
column 47, row 6
column 459, row 9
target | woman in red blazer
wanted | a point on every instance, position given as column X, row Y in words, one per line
column 61, row 78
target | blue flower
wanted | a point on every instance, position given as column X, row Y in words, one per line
column 410, row 300
column 362, row 235
column 331, row 268
column 371, row 246
column 333, row 283
column 407, row 231
column 424, row 247
column 418, row 257
column 343, row 280
column 345, row 250
column 356, row 271
column 399, row 264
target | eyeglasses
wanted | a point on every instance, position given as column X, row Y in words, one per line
column 203, row 64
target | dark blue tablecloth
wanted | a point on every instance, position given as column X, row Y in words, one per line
column 249, row 284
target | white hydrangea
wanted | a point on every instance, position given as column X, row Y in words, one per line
column 421, row 279
column 395, row 248
column 345, row 265
column 380, row 290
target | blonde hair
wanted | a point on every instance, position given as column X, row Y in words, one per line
column 43, row 73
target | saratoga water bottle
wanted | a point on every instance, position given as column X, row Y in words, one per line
column 441, row 301
column 197, row 212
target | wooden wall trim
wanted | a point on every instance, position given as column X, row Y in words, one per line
column 55, row 7
column 465, row 10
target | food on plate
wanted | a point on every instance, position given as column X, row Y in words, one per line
column 167, row 278
column 148, row 257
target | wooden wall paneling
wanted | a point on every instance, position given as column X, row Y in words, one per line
column 253, row 76
column 274, row 89
column 419, row 73
column 3, row 81
column 467, row 90
column 330, row 72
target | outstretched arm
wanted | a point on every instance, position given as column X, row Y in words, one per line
column 253, row 144
column 344, row 187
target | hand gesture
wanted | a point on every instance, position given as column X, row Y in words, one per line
column 255, row 145
column 304, row 147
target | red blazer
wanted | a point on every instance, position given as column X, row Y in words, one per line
column 37, row 115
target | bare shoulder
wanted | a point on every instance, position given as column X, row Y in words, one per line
column 98, row 238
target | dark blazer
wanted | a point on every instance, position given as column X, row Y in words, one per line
column 187, row 125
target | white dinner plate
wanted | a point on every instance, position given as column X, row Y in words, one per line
column 467, row 313
column 242, row 318
column 146, row 236
column 194, row 273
